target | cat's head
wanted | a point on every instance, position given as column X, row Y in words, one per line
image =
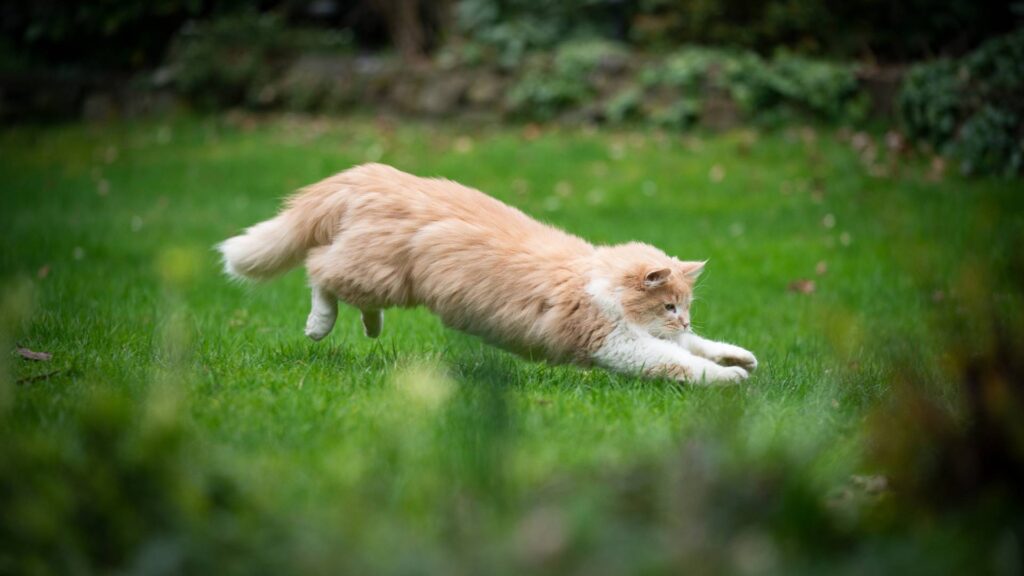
column 653, row 291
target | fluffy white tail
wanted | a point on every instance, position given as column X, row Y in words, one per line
column 279, row 244
column 264, row 250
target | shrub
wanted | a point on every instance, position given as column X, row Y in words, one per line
column 990, row 142
column 685, row 68
column 671, row 92
column 679, row 115
column 763, row 89
column 514, row 27
column 624, row 106
column 972, row 108
column 581, row 58
column 542, row 95
column 855, row 28
column 550, row 85
column 110, row 34
column 826, row 89
column 231, row 60
column 929, row 101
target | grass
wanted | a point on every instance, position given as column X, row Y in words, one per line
column 426, row 450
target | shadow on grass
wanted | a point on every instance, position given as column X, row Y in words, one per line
column 383, row 355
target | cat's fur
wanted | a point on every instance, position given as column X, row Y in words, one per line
column 375, row 237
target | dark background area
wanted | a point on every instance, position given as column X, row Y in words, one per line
column 129, row 34
column 947, row 74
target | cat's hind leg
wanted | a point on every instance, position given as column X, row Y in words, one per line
column 322, row 314
column 373, row 322
column 345, row 278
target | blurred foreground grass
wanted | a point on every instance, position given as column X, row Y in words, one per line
column 185, row 424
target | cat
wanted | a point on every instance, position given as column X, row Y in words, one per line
column 375, row 237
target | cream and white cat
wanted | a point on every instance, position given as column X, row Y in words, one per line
column 375, row 237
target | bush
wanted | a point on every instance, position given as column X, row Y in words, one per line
column 541, row 95
column 116, row 34
column 672, row 92
column 825, row 89
column 679, row 115
column 624, row 106
column 511, row 28
column 551, row 85
column 685, row 68
column 763, row 89
column 232, row 60
column 133, row 34
column 929, row 101
column 856, row 28
column 972, row 108
column 990, row 142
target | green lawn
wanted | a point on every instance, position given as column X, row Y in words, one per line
column 427, row 451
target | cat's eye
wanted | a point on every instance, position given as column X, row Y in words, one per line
column 670, row 307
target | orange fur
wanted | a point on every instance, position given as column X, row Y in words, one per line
column 375, row 237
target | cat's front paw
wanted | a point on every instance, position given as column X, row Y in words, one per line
column 735, row 356
column 715, row 374
column 728, row 375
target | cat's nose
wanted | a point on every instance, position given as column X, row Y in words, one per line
column 686, row 324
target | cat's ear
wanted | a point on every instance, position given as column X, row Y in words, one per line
column 691, row 270
column 656, row 278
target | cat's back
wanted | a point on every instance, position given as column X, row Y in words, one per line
column 483, row 266
column 383, row 191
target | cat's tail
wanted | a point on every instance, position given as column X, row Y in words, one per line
column 310, row 219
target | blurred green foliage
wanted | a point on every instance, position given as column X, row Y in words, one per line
column 548, row 86
column 597, row 80
column 929, row 101
column 785, row 86
column 230, row 60
column 673, row 91
column 120, row 488
column 133, row 33
column 861, row 28
column 972, row 108
column 515, row 27
column 103, row 33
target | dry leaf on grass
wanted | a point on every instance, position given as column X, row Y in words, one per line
column 801, row 286
column 532, row 131
column 33, row 355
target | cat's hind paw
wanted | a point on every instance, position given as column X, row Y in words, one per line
column 373, row 322
column 318, row 326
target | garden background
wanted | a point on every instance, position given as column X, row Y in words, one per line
column 852, row 174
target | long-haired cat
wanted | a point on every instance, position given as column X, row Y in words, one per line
column 375, row 237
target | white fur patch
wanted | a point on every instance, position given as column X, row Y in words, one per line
column 606, row 300
column 264, row 250
column 628, row 350
column 719, row 352
column 322, row 314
